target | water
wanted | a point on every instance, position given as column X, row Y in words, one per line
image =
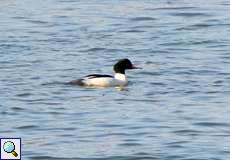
column 175, row 108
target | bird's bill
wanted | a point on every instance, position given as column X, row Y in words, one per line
column 135, row 67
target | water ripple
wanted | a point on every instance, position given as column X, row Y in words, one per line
column 142, row 19
column 212, row 124
column 190, row 14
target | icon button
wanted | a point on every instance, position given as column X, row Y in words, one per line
column 10, row 149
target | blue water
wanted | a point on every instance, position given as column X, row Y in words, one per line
column 175, row 108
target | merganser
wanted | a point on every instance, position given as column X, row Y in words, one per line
column 102, row 80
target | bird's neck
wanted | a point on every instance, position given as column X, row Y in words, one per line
column 120, row 76
column 118, row 69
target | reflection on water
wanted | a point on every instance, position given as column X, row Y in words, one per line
column 175, row 108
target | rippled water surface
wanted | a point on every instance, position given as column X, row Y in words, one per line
column 175, row 108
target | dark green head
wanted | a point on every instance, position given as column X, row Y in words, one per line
column 122, row 65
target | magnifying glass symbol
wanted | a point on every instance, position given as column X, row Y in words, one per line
column 9, row 147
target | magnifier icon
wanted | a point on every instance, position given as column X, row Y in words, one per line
column 9, row 147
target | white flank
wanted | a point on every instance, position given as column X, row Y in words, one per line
column 118, row 80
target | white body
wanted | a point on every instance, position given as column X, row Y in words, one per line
column 118, row 80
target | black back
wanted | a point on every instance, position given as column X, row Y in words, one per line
column 98, row 76
column 80, row 82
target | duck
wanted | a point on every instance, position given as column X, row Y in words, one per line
column 103, row 80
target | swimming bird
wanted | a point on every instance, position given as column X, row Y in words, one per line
column 102, row 80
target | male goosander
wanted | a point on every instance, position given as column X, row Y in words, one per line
column 101, row 80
